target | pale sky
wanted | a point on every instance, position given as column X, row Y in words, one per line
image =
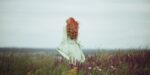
column 103, row 23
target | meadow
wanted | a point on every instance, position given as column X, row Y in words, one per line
column 98, row 62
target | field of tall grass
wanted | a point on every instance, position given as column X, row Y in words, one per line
column 100, row 62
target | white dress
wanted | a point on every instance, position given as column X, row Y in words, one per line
column 71, row 49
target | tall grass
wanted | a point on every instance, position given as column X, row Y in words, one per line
column 120, row 62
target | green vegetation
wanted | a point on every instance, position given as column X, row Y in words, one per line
column 115, row 62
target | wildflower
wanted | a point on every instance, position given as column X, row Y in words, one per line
column 112, row 67
column 89, row 67
column 97, row 68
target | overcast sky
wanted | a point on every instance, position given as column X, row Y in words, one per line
column 103, row 23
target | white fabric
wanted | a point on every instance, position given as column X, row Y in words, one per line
column 71, row 49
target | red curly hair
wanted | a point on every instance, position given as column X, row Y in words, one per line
column 72, row 28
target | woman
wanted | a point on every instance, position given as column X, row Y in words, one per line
column 70, row 47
